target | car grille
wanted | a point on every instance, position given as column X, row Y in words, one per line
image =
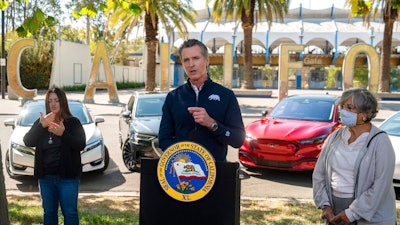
column 274, row 147
column 280, row 164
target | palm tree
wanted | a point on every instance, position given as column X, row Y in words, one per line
column 249, row 12
column 87, row 8
column 170, row 13
column 389, row 11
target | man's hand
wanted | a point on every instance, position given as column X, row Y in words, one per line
column 201, row 116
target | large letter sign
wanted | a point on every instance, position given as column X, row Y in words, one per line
column 14, row 78
column 284, row 66
column 101, row 55
column 373, row 66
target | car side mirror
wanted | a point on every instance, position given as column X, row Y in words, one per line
column 98, row 119
column 126, row 114
column 10, row 123
column 264, row 113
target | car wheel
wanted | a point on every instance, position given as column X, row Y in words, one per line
column 131, row 157
column 8, row 166
column 106, row 160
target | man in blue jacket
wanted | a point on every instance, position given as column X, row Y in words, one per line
column 201, row 110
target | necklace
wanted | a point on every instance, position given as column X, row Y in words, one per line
column 50, row 139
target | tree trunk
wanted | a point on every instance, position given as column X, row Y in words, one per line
column 389, row 17
column 88, row 30
column 4, row 220
column 151, row 44
column 151, row 65
column 247, row 25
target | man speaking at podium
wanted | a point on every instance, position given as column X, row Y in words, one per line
column 201, row 110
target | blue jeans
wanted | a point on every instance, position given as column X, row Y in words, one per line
column 56, row 191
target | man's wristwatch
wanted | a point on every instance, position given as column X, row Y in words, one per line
column 214, row 126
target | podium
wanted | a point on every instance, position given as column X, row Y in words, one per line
column 221, row 206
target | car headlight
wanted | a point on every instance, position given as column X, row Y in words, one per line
column 93, row 145
column 23, row 149
column 143, row 137
column 250, row 137
column 315, row 140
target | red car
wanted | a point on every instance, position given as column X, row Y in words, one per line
column 291, row 135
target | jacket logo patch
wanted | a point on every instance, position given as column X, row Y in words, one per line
column 214, row 97
column 227, row 133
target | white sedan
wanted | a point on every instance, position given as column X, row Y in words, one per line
column 19, row 159
column 392, row 127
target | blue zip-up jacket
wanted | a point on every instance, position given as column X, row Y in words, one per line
column 177, row 124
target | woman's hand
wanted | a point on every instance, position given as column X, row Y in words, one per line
column 327, row 213
column 57, row 129
column 47, row 119
column 340, row 219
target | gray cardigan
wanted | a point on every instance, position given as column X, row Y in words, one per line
column 375, row 199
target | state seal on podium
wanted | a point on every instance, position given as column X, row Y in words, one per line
column 186, row 171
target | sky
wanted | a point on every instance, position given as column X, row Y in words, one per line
column 311, row 4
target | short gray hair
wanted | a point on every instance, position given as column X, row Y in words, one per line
column 193, row 42
column 363, row 100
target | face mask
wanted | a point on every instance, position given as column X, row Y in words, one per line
column 348, row 118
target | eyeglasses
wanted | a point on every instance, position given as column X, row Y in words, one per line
column 349, row 107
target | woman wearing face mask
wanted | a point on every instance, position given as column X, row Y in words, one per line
column 352, row 180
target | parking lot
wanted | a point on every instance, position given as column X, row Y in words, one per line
column 119, row 180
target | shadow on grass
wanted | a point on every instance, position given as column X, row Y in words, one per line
column 105, row 210
column 279, row 213
column 120, row 210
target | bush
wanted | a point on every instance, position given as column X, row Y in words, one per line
column 120, row 85
column 36, row 65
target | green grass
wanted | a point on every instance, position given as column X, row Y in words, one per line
column 27, row 209
column 113, row 210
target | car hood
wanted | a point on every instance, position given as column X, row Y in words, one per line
column 146, row 125
column 91, row 131
column 396, row 143
column 283, row 129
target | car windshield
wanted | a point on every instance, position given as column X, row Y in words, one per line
column 80, row 111
column 392, row 125
column 304, row 109
column 150, row 106
column 31, row 113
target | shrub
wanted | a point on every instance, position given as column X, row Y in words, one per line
column 35, row 66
